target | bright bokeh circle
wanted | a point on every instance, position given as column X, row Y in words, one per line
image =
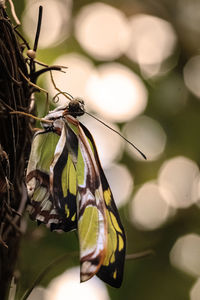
column 148, row 135
column 55, row 21
column 195, row 290
column 192, row 75
column 102, row 31
column 152, row 41
column 121, row 183
column 180, row 176
column 148, row 208
column 68, row 286
column 185, row 254
column 116, row 93
column 74, row 79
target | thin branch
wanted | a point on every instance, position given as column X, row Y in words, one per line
column 1, row 231
column 17, row 21
column 20, row 210
column 45, row 271
column 31, row 116
column 6, row 72
column 36, row 74
column 65, row 94
column 2, row 4
column 139, row 255
column 38, row 28
column 22, row 38
column 33, row 84
column 13, row 223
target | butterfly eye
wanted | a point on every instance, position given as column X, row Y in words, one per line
column 81, row 101
column 81, row 104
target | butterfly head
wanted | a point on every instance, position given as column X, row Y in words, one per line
column 75, row 107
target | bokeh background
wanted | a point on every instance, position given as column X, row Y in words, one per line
column 137, row 66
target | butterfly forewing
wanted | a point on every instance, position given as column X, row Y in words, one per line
column 92, row 225
column 63, row 179
column 111, row 270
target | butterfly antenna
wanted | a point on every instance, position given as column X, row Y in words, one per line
column 141, row 153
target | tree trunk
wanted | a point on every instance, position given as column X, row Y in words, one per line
column 15, row 136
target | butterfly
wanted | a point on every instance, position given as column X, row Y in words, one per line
column 68, row 190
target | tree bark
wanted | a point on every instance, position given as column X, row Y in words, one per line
column 15, row 137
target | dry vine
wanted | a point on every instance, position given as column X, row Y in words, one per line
column 18, row 76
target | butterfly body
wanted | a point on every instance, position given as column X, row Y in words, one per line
column 68, row 190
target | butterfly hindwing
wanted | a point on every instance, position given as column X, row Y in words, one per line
column 37, row 178
column 51, row 181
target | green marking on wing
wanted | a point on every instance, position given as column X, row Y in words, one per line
column 80, row 168
column 73, row 127
column 40, row 193
column 72, row 178
column 43, row 150
column 63, row 177
column 88, row 228
column 80, row 164
column 68, row 178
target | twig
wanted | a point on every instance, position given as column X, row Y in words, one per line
column 13, row 223
column 22, row 38
column 1, row 239
column 31, row 116
column 38, row 28
column 13, row 12
column 2, row 3
column 33, row 84
column 139, row 255
column 6, row 72
column 36, row 74
column 6, row 105
column 44, row 272
column 2, row 242
column 67, row 95
column 19, row 211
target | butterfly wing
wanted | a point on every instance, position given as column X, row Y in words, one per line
column 66, row 183
column 111, row 270
column 51, row 181
column 63, row 182
column 92, row 225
